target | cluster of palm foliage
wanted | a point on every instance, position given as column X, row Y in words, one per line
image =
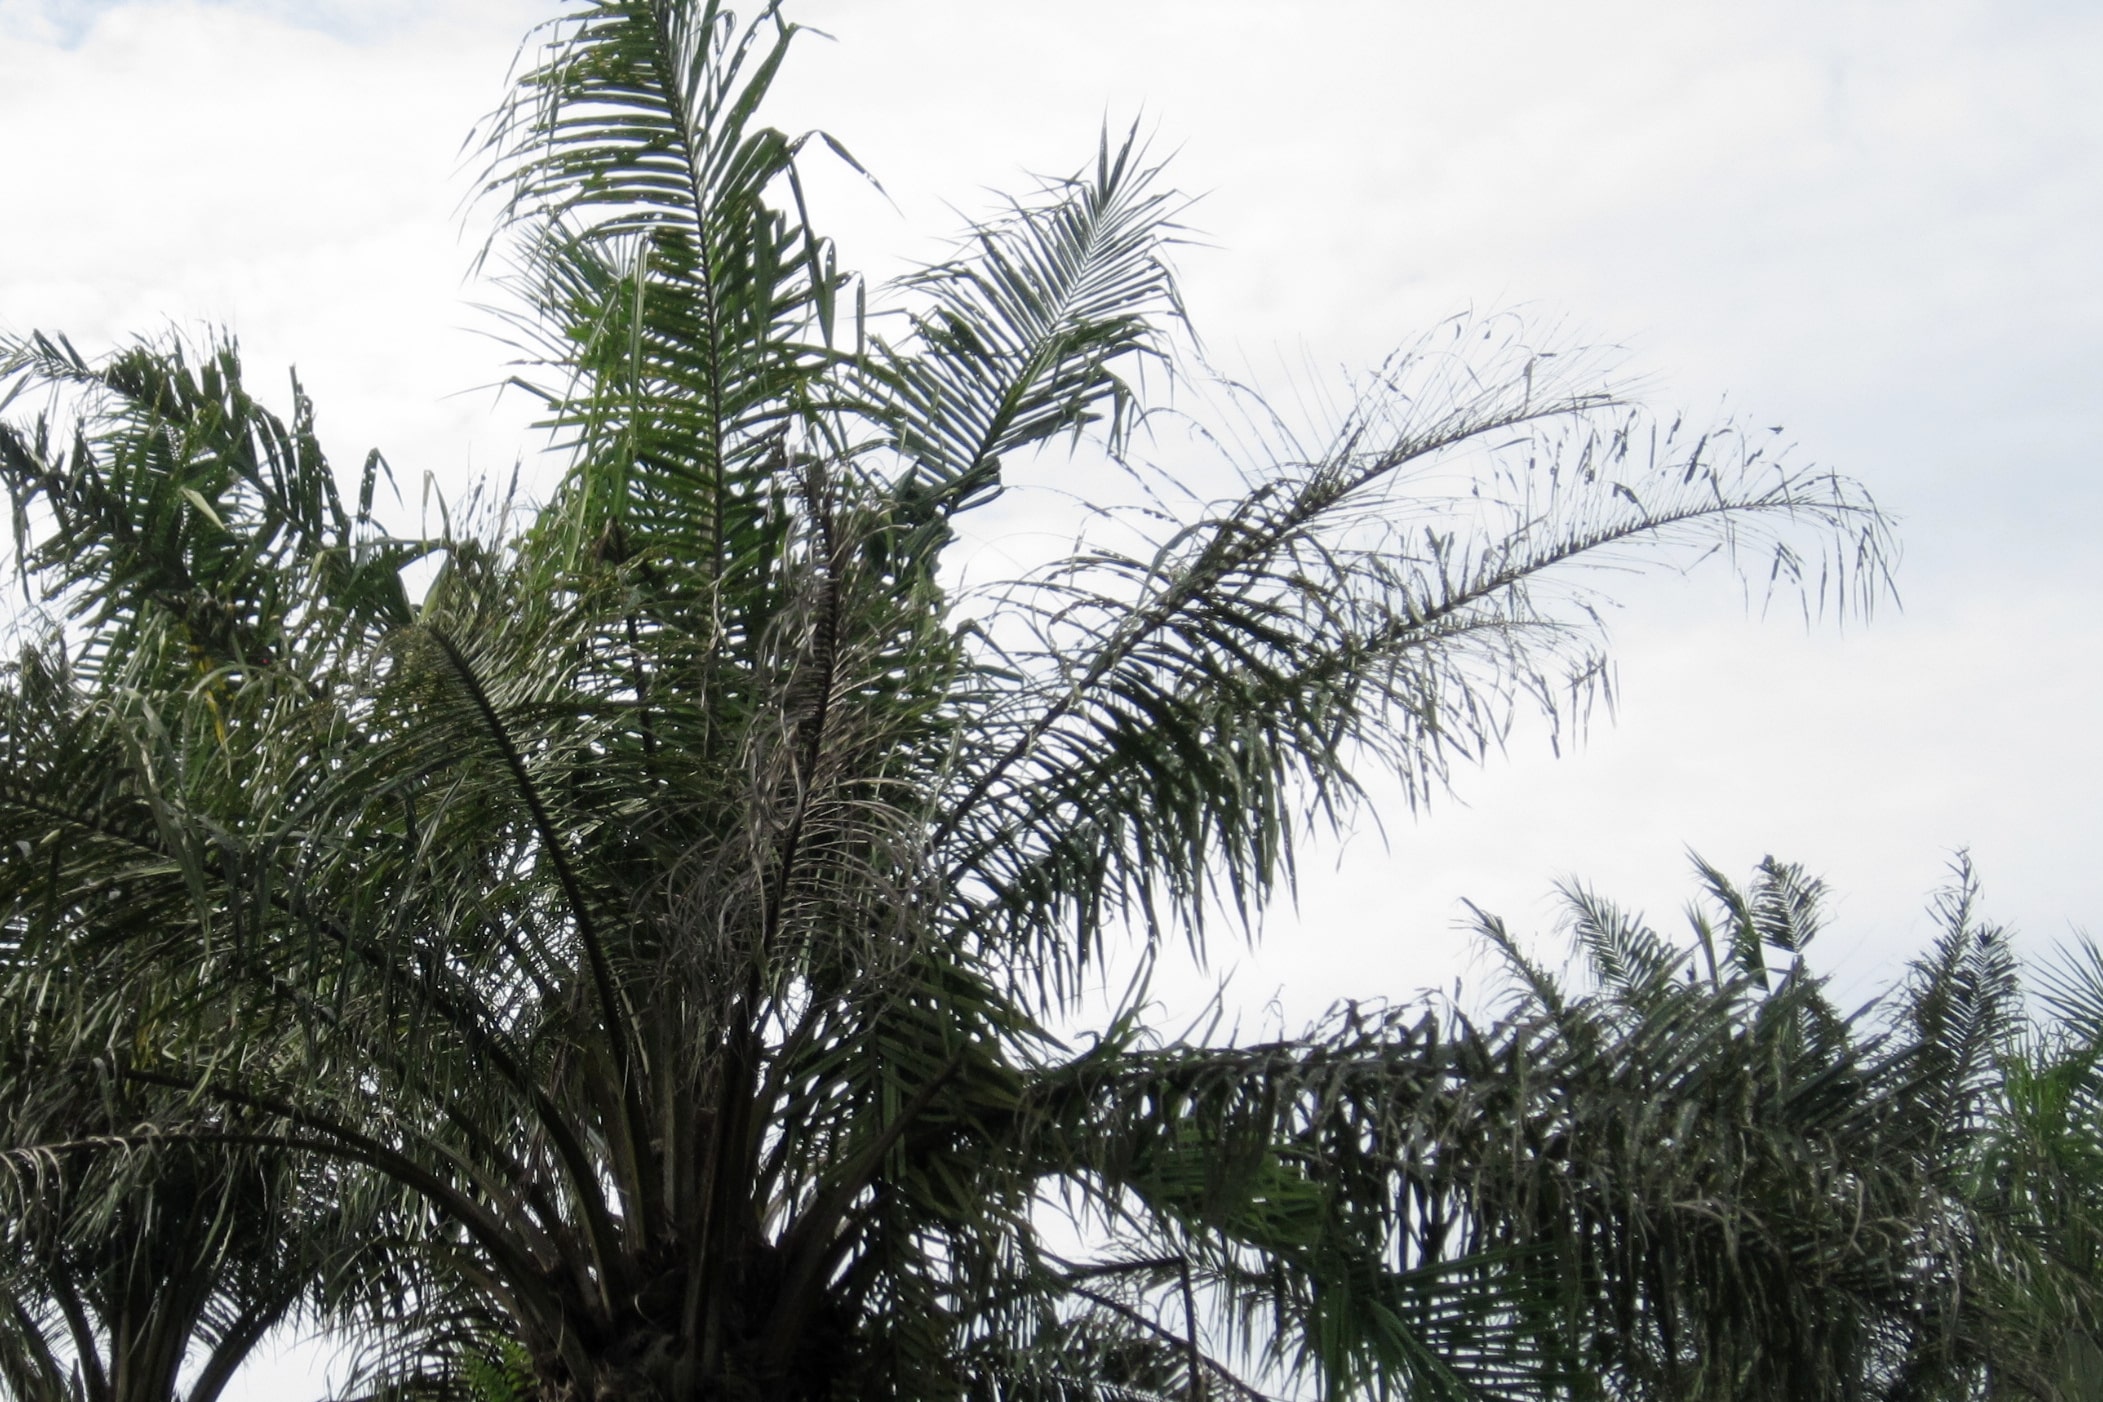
column 1756, row 1194
column 641, row 959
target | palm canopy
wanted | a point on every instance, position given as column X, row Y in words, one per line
column 661, row 913
column 144, row 1272
column 2042, row 1167
column 1755, row 1193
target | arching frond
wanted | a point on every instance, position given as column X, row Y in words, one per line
column 1180, row 715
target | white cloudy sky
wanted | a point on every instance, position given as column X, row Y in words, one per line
column 1876, row 224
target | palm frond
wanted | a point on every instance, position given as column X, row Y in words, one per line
column 1346, row 1204
column 1034, row 329
column 174, row 497
column 1180, row 715
column 676, row 308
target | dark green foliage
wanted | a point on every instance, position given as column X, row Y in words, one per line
column 1754, row 1194
column 1757, row 1195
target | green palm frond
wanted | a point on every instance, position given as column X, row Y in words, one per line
column 1344, row 1203
column 1962, row 1004
column 1621, row 953
column 1181, row 714
column 1034, row 329
column 675, row 307
column 174, row 497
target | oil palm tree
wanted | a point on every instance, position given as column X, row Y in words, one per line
column 1757, row 1195
column 139, row 1267
column 678, row 905
column 2042, row 1170
column 160, row 1290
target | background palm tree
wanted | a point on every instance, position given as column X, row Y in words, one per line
column 158, row 1290
column 670, row 912
column 2042, row 1169
column 1756, row 1194
column 144, row 1266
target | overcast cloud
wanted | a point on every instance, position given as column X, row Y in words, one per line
column 1875, row 224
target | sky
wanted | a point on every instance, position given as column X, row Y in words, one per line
column 1876, row 225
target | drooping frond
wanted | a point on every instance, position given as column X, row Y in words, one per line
column 1348, row 1206
column 1180, row 714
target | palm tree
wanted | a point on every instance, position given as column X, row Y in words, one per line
column 193, row 1264
column 1756, row 1195
column 674, row 908
column 2042, row 1170
column 139, row 1267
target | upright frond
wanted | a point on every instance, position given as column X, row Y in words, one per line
column 1037, row 327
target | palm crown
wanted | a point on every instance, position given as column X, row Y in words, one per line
column 657, row 920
